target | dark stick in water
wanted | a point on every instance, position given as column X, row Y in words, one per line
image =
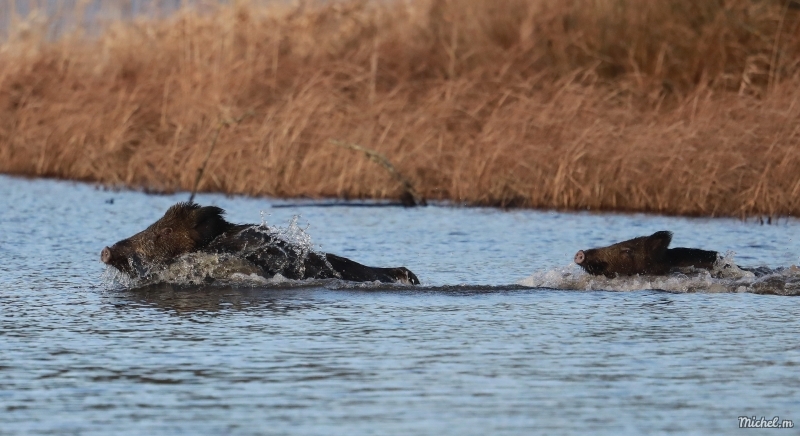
column 410, row 196
column 202, row 168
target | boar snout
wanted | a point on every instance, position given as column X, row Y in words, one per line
column 122, row 257
column 580, row 257
column 105, row 255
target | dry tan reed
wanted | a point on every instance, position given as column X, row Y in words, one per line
column 668, row 106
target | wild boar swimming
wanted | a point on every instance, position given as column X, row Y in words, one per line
column 191, row 228
column 643, row 255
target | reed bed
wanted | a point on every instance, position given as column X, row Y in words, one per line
column 671, row 106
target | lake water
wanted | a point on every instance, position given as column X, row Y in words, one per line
column 493, row 342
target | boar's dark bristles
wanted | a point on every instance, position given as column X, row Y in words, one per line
column 201, row 223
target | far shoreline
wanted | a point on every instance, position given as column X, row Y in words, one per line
column 535, row 105
column 327, row 202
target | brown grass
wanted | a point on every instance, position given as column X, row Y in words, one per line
column 669, row 106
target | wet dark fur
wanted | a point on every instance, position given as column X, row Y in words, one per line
column 188, row 227
column 643, row 255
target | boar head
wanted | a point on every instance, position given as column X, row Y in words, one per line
column 184, row 228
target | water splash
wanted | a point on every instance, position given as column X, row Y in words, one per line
column 112, row 277
column 292, row 234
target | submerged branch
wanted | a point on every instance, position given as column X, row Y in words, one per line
column 201, row 170
column 410, row 196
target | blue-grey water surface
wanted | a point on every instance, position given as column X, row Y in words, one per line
column 475, row 350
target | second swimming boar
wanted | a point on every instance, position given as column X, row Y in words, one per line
column 643, row 255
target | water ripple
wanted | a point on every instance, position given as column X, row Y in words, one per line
column 469, row 353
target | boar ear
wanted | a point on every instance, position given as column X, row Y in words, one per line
column 659, row 241
column 209, row 223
